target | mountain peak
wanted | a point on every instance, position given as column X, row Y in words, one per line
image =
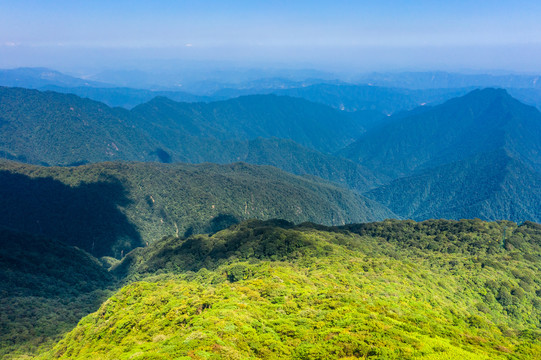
column 482, row 120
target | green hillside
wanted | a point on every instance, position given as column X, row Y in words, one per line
column 489, row 186
column 476, row 156
column 312, row 125
column 45, row 288
column 479, row 122
column 50, row 128
column 272, row 290
column 286, row 155
column 110, row 208
column 59, row 129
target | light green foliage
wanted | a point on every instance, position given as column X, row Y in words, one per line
column 272, row 290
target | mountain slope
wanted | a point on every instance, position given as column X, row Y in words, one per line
column 124, row 97
column 380, row 100
column 283, row 154
column 271, row 290
column 488, row 186
column 291, row 157
column 110, row 208
column 45, row 287
column 312, row 125
column 482, row 121
column 53, row 128
column 57, row 129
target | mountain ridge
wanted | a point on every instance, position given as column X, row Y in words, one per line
column 111, row 208
column 438, row 139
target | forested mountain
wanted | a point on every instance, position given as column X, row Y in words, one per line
column 45, row 289
column 284, row 154
column 58, row 129
column 488, row 186
column 110, row 208
column 124, row 97
column 309, row 124
column 427, row 151
column 272, row 290
column 290, row 156
column 474, row 156
column 482, row 121
column 61, row 129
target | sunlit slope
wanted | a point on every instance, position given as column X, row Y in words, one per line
column 272, row 290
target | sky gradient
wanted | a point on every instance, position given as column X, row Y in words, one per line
column 333, row 35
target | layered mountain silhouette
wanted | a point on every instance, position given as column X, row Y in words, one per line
column 490, row 185
column 309, row 124
column 454, row 160
column 38, row 77
column 474, row 156
column 482, row 121
column 62, row 129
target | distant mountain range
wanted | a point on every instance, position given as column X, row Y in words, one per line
column 442, row 79
column 483, row 120
column 474, row 156
column 379, row 93
column 50, row 128
column 420, row 164
column 310, row 124
column 34, row 78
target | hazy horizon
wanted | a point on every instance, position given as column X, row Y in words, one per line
column 336, row 37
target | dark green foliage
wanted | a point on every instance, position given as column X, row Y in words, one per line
column 480, row 122
column 485, row 141
column 489, row 186
column 286, row 155
column 77, row 211
column 163, row 155
column 312, row 125
column 45, row 288
column 254, row 239
column 110, row 208
column 58, row 129
column 470, row 237
column 474, row 156
column 49, row 128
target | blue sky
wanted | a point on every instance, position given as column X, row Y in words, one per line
column 352, row 35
